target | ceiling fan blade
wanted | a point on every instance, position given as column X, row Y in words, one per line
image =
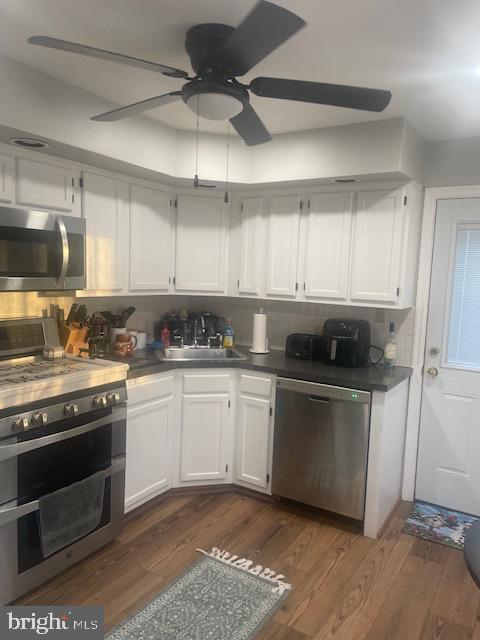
column 137, row 107
column 337, row 95
column 249, row 127
column 111, row 56
column 264, row 29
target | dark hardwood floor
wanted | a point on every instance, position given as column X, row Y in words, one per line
column 346, row 587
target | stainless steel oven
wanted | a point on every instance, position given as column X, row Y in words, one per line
column 41, row 251
column 44, row 448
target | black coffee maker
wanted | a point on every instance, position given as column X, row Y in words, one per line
column 346, row 342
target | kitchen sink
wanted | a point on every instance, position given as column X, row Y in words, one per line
column 199, row 353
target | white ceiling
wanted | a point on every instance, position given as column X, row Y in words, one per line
column 426, row 51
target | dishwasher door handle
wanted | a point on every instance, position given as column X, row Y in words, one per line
column 319, row 399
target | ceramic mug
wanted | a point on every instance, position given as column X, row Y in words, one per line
column 124, row 345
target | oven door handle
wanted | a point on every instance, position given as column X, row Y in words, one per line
column 62, row 230
column 11, row 450
column 9, row 513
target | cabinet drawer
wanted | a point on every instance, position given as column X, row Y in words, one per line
column 256, row 385
column 147, row 390
column 214, row 383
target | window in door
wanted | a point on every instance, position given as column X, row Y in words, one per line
column 463, row 340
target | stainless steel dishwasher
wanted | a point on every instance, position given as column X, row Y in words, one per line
column 321, row 446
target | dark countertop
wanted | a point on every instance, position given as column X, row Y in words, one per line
column 364, row 378
column 472, row 552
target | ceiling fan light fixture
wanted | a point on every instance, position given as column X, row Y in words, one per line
column 214, row 106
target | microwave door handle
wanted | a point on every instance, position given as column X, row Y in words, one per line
column 11, row 450
column 62, row 230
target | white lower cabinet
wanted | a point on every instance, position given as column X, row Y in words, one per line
column 205, row 428
column 254, row 431
column 150, row 421
column 203, row 437
column 191, row 428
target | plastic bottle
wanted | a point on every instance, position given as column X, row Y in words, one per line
column 390, row 356
column 165, row 335
column 228, row 337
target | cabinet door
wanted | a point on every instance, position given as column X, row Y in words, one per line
column 42, row 184
column 376, row 247
column 252, row 443
column 149, row 451
column 105, row 208
column 328, row 246
column 251, row 245
column 151, row 226
column 203, row 447
column 283, row 230
column 201, row 236
column 7, row 172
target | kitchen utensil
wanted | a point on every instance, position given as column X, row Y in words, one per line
column 72, row 313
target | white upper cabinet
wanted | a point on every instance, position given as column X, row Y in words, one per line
column 283, row 237
column 201, row 244
column 151, row 239
column 328, row 229
column 251, row 247
column 7, row 180
column 105, row 208
column 47, row 185
column 377, row 246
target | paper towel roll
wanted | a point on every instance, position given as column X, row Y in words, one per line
column 260, row 341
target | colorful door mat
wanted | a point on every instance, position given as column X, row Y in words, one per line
column 438, row 524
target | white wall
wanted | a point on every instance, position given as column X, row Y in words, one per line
column 453, row 162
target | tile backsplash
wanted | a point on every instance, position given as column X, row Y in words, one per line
column 283, row 317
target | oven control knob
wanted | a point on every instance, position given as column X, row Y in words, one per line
column 71, row 409
column 21, row 423
column 39, row 419
column 100, row 401
column 113, row 398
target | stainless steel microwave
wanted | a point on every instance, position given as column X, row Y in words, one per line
column 41, row 251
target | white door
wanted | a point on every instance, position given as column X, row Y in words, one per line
column 204, row 435
column 105, row 208
column 151, row 235
column 376, row 246
column 283, row 237
column 7, row 172
column 43, row 184
column 251, row 245
column 201, row 238
column 253, row 440
column 328, row 246
column 149, row 450
column 448, row 469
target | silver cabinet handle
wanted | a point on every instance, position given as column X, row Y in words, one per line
column 432, row 371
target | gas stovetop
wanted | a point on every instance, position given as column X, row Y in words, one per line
column 21, row 370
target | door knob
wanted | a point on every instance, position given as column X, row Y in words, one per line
column 432, row 371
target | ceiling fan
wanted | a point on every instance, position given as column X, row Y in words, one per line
column 218, row 54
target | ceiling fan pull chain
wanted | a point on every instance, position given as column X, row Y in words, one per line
column 195, row 180
column 226, row 197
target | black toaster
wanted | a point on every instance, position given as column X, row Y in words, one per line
column 304, row 346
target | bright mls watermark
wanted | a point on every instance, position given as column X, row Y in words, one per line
column 25, row 623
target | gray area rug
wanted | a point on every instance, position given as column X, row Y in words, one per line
column 220, row 597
